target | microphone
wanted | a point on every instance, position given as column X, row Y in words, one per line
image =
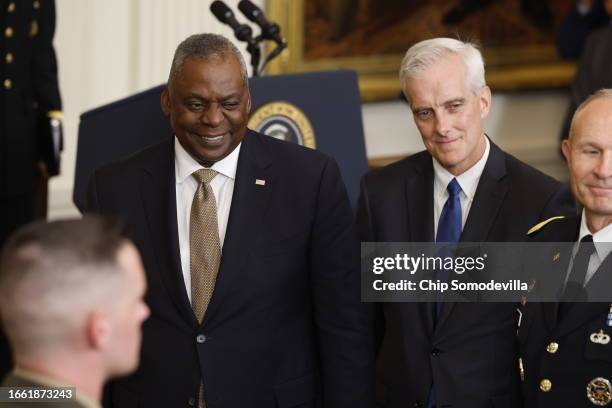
column 225, row 15
column 269, row 31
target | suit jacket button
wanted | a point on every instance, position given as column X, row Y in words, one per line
column 435, row 352
column 201, row 338
column 11, row 7
column 8, row 32
column 552, row 347
column 8, row 84
column 191, row 402
column 545, row 385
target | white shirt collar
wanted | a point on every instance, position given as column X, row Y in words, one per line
column 468, row 180
column 185, row 165
column 602, row 239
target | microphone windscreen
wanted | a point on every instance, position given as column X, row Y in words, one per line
column 221, row 11
column 249, row 9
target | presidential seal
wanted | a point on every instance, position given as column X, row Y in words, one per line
column 599, row 391
column 283, row 121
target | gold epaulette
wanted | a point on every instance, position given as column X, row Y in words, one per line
column 539, row 225
column 55, row 114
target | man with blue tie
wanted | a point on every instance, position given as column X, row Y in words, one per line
column 461, row 188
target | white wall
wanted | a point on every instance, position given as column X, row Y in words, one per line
column 109, row 49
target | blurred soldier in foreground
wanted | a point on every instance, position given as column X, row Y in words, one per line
column 71, row 301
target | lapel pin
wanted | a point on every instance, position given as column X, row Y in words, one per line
column 609, row 320
column 557, row 256
column 260, row 182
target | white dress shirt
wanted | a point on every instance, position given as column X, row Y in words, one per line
column 468, row 181
column 602, row 240
column 186, row 185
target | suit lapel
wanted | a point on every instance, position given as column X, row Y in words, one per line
column 487, row 201
column 558, row 270
column 565, row 231
column 419, row 201
column 597, row 288
column 158, row 190
column 249, row 204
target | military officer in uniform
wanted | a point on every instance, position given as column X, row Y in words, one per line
column 30, row 114
column 565, row 347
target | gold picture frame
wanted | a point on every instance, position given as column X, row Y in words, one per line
column 509, row 68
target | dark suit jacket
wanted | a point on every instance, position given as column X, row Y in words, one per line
column 577, row 360
column 13, row 380
column 285, row 327
column 471, row 355
column 594, row 72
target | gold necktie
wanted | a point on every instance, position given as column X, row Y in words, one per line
column 205, row 249
column 204, row 243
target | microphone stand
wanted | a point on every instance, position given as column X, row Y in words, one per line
column 254, row 49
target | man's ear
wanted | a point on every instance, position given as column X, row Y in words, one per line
column 248, row 101
column 485, row 101
column 566, row 149
column 165, row 101
column 98, row 329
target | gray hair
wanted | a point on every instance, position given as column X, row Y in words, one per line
column 206, row 47
column 52, row 274
column 605, row 93
column 424, row 54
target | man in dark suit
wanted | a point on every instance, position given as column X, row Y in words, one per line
column 565, row 346
column 72, row 302
column 250, row 252
column 459, row 355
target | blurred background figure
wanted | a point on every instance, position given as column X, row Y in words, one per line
column 584, row 17
column 537, row 11
column 594, row 68
column 71, row 302
column 30, row 111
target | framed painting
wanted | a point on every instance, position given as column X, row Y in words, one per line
column 370, row 36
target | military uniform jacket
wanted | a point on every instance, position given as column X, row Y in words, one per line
column 15, row 380
column 29, row 89
column 563, row 359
